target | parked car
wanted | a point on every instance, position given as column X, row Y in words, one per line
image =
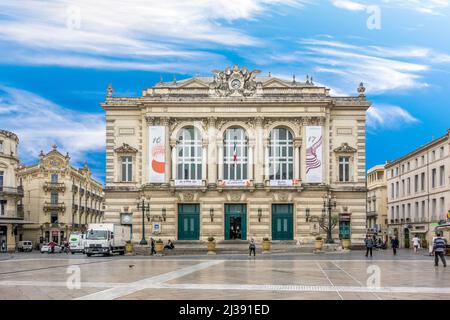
column 47, row 248
column 23, row 246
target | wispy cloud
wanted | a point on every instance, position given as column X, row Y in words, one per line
column 433, row 7
column 384, row 116
column 136, row 34
column 40, row 123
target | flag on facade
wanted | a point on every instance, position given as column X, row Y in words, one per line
column 234, row 152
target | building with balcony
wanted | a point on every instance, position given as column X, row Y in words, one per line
column 236, row 156
column 418, row 186
column 11, row 193
column 54, row 192
column 377, row 220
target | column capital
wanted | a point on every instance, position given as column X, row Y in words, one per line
column 150, row 120
column 165, row 121
column 173, row 143
column 297, row 142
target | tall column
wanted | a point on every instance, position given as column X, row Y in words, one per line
column 303, row 150
column 173, row 173
column 266, row 160
column 250, row 160
column 204, row 158
column 297, row 145
column 165, row 122
column 212, row 152
column 220, row 159
column 259, row 154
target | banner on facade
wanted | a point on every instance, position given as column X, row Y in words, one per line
column 314, row 153
column 235, row 183
column 284, row 183
column 157, row 154
column 188, row 183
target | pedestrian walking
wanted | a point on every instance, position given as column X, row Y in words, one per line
column 394, row 244
column 416, row 243
column 439, row 246
column 252, row 248
column 369, row 245
column 152, row 246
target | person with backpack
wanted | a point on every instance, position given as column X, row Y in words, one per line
column 252, row 248
column 416, row 243
column 369, row 245
column 439, row 246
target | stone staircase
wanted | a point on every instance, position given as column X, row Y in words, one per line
column 236, row 247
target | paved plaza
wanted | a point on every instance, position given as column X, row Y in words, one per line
column 337, row 276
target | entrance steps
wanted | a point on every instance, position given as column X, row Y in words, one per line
column 235, row 247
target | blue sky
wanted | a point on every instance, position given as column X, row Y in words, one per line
column 58, row 56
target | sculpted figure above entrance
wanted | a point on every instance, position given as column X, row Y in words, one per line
column 234, row 82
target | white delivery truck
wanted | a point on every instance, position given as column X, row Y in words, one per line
column 106, row 238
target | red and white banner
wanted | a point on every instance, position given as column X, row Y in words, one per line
column 284, row 183
column 314, row 145
column 157, row 154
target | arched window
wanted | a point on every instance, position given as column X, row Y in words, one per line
column 281, row 155
column 235, row 154
column 189, row 154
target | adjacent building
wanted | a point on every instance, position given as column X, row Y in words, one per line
column 419, row 190
column 236, row 156
column 11, row 193
column 59, row 198
column 377, row 219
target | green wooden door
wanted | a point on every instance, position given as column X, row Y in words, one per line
column 188, row 222
column 282, row 222
column 344, row 229
column 235, row 222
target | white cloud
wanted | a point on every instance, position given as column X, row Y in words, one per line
column 40, row 123
column 348, row 5
column 104, row 33
column 433, row 7
column 384, row 116
column 381, row 69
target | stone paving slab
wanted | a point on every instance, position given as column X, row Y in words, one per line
column 45, row 277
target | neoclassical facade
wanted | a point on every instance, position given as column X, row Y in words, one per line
column 418, row 191
column 236, row 156
column 11, row 193
column 377, row 219
column 59, row 198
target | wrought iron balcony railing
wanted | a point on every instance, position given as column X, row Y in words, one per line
column 54, row 186
column 13, row 191
column 49, row 206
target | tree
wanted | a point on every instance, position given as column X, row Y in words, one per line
column 323, row 222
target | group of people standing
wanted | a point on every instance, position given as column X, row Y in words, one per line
column 439, row 246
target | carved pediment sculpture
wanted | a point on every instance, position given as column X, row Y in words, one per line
column 234, row 82
column 345, row 148
column 125, row 148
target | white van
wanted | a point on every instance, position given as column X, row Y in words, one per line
column 76, row 242
column 23, row 246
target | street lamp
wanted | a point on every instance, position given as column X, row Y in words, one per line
column 307, row 212
column 329, row 203
column 163, row 214
column 211, row 214
column 145, row 207
column 259, row 214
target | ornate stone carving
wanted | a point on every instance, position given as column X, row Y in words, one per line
column 283, row 196
column 234, row 82
column 125, row 148
column 188, row 196
column 345, row 148
column 235, row 196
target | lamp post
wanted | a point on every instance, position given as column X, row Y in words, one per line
column 329, row 203
column 145, row 207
